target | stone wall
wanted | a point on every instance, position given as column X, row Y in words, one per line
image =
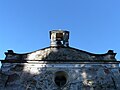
column 75, row 76
column 60, row 68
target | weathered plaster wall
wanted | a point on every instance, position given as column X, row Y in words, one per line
column 78, row 70
column 41, row 76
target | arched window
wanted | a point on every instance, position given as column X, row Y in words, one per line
column 60, row 78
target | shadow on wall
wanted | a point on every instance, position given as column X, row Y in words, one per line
column 43, row 75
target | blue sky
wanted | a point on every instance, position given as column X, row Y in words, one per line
column 94, row 25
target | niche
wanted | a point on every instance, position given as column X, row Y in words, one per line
column 60, row 78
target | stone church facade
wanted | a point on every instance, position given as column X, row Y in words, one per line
column 60, row 67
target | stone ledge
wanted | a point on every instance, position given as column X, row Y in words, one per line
column 63, row 61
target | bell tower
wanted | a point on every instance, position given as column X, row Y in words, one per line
column 59, row 38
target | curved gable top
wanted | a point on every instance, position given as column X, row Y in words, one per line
column 61, row 53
